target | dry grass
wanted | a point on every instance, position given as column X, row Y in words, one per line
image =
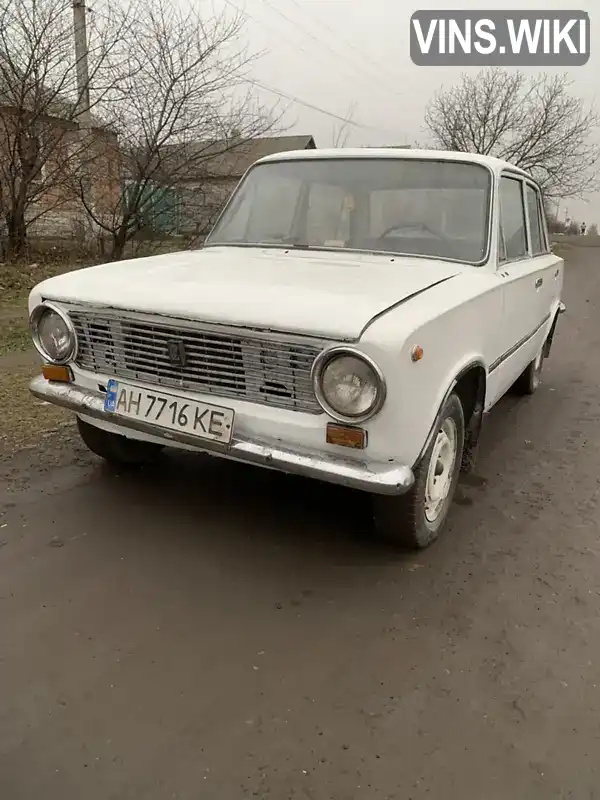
column 25, row 420
column 17, row 280
column 14, row 335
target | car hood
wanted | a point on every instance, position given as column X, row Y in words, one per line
column 326, row 294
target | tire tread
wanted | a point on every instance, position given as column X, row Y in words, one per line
column 400, row 520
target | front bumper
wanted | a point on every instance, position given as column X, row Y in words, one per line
column 378, row 477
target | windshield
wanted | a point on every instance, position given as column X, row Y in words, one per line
column 435, row 209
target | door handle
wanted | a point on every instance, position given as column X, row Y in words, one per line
column 539, row 282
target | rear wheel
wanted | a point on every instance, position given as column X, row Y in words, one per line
column 117, row 449
column 528, row 382
column 413, row 521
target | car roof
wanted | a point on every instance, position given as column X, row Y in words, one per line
column 495, row 164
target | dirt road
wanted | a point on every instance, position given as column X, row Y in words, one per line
column 211, row 632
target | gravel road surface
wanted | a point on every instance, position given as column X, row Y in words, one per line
column 207, row 631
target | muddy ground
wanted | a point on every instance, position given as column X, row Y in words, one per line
column 207, row 631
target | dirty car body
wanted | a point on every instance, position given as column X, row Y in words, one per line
column 344, row 302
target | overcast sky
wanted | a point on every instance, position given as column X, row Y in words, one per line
column 338, row 54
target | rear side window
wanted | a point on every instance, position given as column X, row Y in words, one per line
column 512, row 214
column 538, row 244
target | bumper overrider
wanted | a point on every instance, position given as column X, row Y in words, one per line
column 376, row 477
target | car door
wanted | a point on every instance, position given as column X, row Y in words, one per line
column 522, row 280
column 549, row 266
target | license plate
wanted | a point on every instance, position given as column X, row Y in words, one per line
column 169, row 411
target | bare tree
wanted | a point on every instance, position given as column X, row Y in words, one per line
column 536, row 124
column 179, row 106
column 40, row 147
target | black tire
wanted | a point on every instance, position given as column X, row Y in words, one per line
column 115, row 449
column 402, row 520
column 528, row 382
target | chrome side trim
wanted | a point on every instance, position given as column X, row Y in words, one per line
column 511, row 351
column 375, row 477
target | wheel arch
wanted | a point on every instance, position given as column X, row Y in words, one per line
column 469, row 383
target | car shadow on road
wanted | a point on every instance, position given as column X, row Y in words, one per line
column 240, row 504
column 244, row 508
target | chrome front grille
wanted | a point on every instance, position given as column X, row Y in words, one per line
column 199, row 358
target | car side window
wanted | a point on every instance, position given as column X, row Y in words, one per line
column 501, row 245
column 512, row 213
column 538, row 245
column 543, row 224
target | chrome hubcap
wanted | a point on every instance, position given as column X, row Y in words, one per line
column 441, row 470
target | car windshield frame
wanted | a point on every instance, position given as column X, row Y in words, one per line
column 237, row 197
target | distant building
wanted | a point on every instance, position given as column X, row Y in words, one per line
column 56, row 209
column 202, row 191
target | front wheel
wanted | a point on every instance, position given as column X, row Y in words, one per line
column 414, row 521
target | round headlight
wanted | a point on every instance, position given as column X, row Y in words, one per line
column 348, row 385
column 53, row 333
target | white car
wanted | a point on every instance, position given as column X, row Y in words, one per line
column 351, row 317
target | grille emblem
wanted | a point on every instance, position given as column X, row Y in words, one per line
column 177, row 353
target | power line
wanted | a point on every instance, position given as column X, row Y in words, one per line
column 327, row 46
column 320, row 110
column 351, row 45
column 354, row 72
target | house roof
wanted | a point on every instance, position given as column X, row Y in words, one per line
column 228, row 158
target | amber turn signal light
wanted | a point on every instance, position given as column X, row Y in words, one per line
column 417, row 353
column 54, row 372
column 346, row 436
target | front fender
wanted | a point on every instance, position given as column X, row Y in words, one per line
column 457, row 339
column 462, row 368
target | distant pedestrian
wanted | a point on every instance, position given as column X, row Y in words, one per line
column 583, row 228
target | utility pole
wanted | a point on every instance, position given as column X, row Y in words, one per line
column 84, row 117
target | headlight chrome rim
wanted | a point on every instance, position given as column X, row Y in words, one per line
column 320, row 363
column 34, row 320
